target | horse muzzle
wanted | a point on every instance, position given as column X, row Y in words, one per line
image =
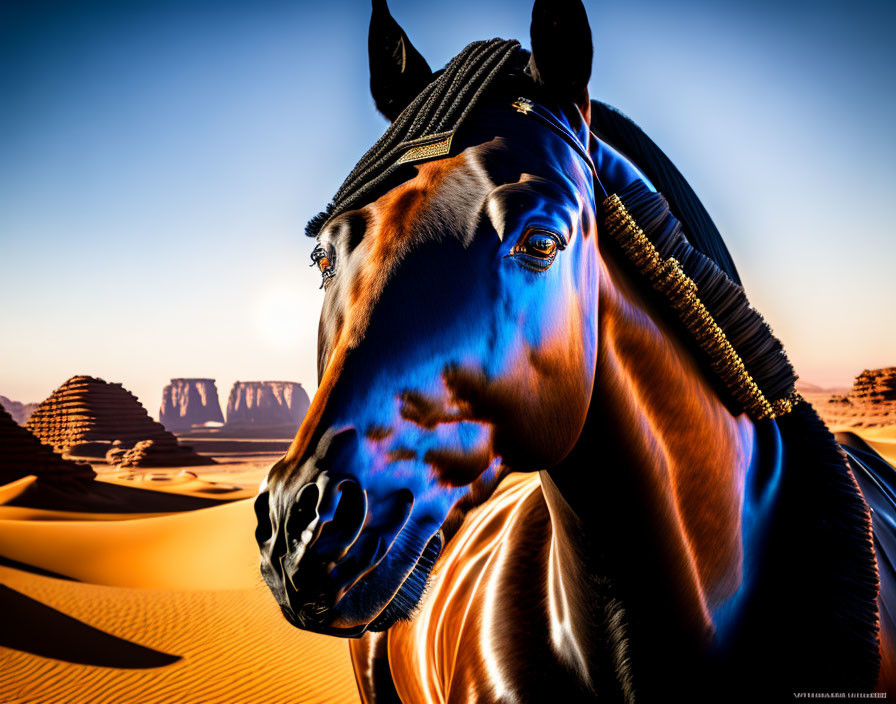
column 311, row 546
column 320, row 541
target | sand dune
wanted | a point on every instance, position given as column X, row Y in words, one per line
column 182, row 483
column 128, row 607
column 883, row 440
column 95, row 497
column 28, row 621
column 13, row 490
column 30, row 499
column 26, row 513
column 211, row 548
column 231, row 646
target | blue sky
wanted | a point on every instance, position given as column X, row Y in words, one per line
column 158, row 161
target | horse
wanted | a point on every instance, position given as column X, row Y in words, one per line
column 554, row 453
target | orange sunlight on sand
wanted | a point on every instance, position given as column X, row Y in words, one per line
column 156, row 608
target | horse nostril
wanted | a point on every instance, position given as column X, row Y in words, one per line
column 303, row 513
column 327, row 517
column 263, row 527
column 352, row 504
column 348, row 519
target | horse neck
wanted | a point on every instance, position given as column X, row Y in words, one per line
column 650, row 498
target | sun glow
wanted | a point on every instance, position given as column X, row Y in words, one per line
column 279, row 315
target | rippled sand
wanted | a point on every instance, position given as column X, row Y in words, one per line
column 148, row 605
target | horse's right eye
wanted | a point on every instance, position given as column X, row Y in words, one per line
column 541, row 244
column 537, row 249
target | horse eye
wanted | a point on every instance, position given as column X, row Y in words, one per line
column 541, row 244
column 537, row 249
column 324, row 261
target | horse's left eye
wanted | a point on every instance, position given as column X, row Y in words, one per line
column 325, row 261
column 537, row 249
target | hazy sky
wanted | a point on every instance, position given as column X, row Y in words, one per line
column 158, row 161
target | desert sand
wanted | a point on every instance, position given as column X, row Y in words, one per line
column 150, row 605
column 883, row 440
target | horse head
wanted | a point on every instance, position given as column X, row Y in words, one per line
column 473, row 326
column 457, row 339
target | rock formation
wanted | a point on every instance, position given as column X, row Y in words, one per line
column 875, row 386
column 871, row 402
column 146, row 453
column 190, row 402
column 20, row 412
column 267, row 404
column 85, row 416
column 22, row 454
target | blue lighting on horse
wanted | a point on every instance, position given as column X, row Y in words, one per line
column 761, row 486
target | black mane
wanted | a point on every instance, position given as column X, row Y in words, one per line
column 432, row 118
column 621, row 133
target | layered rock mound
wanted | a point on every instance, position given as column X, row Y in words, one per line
column 268, row 404
column 870, row 403
column 20, row 412
column 22, row 454
column 85, row 416
column 187, row 403
column 875, row 386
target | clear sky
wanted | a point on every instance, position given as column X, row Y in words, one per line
column 159, row 159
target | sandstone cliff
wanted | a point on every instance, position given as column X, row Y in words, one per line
column 266, row 404
column 190, row 402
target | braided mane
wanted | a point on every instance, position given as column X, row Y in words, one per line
column 430, row 120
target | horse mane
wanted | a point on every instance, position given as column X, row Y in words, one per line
column 621, row 133
column 819, row 581
column 819, row 552
column 425, row 128
column 744, row 355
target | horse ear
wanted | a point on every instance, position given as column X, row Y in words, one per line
column 561, row 50
column 397, row 70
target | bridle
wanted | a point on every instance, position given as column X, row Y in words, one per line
column 544, row 117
